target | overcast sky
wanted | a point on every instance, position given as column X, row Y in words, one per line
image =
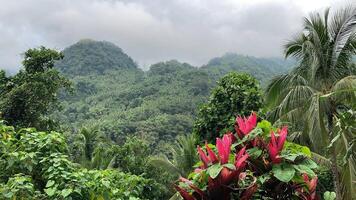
column 149, row 31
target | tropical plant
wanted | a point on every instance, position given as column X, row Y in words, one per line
column 256, row 161
column 311, row 94
column 181, row 156
column 235, row 94
column 34, row 165
column 27, row 97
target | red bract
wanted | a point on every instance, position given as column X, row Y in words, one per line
column 183, row 193
column 276, row 144
column 211, row 154
column 207, row 159
column 227, row 175
column 311, row 184
column 224, row 146
column 245, row 125
column 203, row 157
column 240, row 159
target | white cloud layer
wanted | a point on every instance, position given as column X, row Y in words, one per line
column 154, row 30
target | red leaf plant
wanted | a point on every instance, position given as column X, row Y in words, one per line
column 310, row 192
column 276, row 144
column 228, row 170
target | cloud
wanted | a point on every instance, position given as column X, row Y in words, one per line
column 150, row 31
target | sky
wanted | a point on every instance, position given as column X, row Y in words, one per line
column 150, row 31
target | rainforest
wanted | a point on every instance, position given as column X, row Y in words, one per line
column 89, row 122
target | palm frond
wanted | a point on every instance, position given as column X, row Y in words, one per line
column 345, row 90
column 343, row 27
column 316, row 128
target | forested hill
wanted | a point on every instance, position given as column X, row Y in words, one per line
column 261, row 68
column 113, row 95
column 93, row 57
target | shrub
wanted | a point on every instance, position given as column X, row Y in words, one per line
column 254, row 161
column 34, row 165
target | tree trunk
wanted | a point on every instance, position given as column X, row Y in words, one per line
column 336, row 175
column 334, row 165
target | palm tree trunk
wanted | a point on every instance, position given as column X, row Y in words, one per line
column 334, row 165
column 336, row 175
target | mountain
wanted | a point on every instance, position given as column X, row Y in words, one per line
column 113, row 95
column 122, row 100
column 89, row 56
column 263, row 69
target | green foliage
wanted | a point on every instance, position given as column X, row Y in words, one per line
column 310, row 96
column 125, row 102
column 262, row 69
column 39, row 60
column 92, row 57
column 28, row 96
column 236, row 94
column 34, row 165
column 251, row 171
column 180, row 158
column 119, row 99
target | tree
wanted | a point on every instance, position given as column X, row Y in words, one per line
column 236, row 94
column 29, row 95
column 322, row 83
column 182, row 154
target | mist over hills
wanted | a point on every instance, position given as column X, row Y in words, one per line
column 112, row 94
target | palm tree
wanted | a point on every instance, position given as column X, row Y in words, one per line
column 311, row 95
column 93, row 149
column 183, row 156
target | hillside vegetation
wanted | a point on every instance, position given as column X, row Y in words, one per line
column 113, row 95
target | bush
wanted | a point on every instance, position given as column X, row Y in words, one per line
column 254, row 161
column 34, row 165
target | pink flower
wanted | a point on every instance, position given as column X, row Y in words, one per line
column 275, row 145
column 245, row 125
column 224, row 146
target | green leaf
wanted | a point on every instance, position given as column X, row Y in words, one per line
column 50, row 183
column 214, row 170
column 254, row 152
column 310, row 163
column 50, row 191
column 297, row 149
column 329, row 195
column 263, row 178
column 66, row 192
column 266, row 126
column 290, row 157
column 230, row 166
column 304, row 169
column 283, row 172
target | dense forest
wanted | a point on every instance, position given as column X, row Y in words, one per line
column 88, row 123
column 112, row 95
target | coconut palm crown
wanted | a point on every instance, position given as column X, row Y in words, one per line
column 312, row 95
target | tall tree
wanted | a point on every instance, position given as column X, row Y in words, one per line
column 29, row 95
column 311, row 95
column 236, row 94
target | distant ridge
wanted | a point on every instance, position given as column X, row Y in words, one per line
column 262, row 69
